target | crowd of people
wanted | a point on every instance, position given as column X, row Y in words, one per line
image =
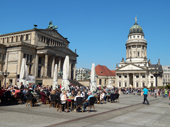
column 10, row 94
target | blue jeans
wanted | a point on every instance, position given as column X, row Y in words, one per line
column 145, row 99
column 85, row 105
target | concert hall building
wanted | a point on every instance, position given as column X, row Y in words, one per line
column 42, row 49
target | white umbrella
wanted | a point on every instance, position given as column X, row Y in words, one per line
column 93, row 79
column 55, row 78
column 26, row 72
column 65, row 81
column 109, row 85
column 23, row 73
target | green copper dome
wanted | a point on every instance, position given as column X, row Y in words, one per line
column 136, row 29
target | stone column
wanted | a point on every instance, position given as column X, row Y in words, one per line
column 70, row 69
column 131, row 52
column 52, row 66
column 74, row 73
column 128, row 80
column 133, row 79
column 36, row 65
column 140, row 77
column 46, row 66
column 59, row 64
column 122, row 78
column 136, row 52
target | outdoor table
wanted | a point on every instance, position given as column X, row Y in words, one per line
column 72, row 101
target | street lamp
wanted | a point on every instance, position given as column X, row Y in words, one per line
column 164, row 83
column 5, row 74
column 156, row 70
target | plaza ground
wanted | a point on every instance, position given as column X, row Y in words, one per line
column 129, row 112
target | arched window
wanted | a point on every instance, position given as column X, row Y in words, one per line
column 125, row 84
column 143, row 84
column 137, row 84
column 100, row 81
column 119, row 84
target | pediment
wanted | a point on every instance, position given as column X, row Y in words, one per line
column 53, row 33
column 130, row 67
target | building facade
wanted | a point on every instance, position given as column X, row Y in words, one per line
column 134, row 72
column 42, row 49
column 82, row 73
column 166, row 75
column 103, row 75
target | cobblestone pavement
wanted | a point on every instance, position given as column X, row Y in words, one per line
column 129, row 112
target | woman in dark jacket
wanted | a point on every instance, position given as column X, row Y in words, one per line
column 43, row 96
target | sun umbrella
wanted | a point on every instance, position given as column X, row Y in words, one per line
column 23, row 72
column 109, row 85
column 93, row 79
column 55, row 77
column 65, row 81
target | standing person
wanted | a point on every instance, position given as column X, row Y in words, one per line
column 166, row 93
column 145, row 94
column 169, row 97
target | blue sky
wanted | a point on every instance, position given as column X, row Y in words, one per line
column 98, row 29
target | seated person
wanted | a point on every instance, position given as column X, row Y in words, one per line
column 68, row 93
column 72, row 93
column 87, row 100
column 63, row 98
column 78, row 95
column 102, row 96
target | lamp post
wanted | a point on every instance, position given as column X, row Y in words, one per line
column 156, row 70
column 5, row 74
column 164, row 84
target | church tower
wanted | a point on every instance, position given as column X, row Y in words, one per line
column 136, row 46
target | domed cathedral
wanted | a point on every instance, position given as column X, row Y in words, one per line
column 136, row 71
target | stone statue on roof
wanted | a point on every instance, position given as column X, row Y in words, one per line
column 51, row 26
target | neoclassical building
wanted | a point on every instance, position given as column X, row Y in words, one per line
column 135, row 70
column 42, row 49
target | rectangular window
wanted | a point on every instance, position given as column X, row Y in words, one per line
column 119, row 84
column 30, row 70
column 137, row 76
column 143, row 84
column 39, row 61
column 25, row 55
column 119, row 76
column 0, row 56
column 143, row 76
column 28, row 58
column 125, row 76
column 3, row 57
column 26, row 36
column 137, row 84
column 16, row 38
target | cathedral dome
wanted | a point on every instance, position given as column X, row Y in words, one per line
column 136, row 29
